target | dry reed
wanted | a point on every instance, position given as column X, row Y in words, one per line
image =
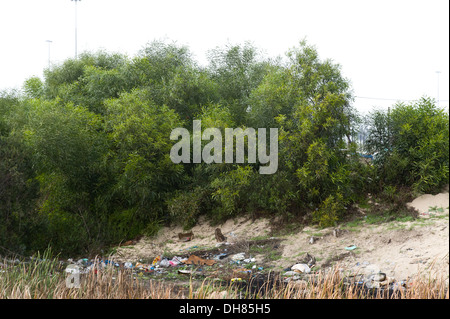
column 45, row 279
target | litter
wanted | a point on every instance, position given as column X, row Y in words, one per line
column 249, row 260
column 303, row 268
column 195, row 260
column 236, row 279
column 378, row 277
column 220, row 256
column 128, row 265
column 238, row 257
column 186, row 236
column 352, row 247
column 242, row 273
column 164, row 263
column 175, row 261
column 139, row 265
column 156, row 260
column 184, row 271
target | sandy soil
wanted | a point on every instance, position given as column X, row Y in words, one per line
column 399, row 249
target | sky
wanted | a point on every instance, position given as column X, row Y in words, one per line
column 390, row 51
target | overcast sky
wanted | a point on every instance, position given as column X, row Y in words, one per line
column 389, row 50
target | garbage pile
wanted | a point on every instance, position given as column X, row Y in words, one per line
column 238, row 266
column 374, row 280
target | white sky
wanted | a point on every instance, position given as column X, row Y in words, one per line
column 389, row 50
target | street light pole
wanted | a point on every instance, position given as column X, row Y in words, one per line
column 438, row 72
column 76, row 37
column 49, row 42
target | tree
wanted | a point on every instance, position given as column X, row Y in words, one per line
column 237, row 70
column 138, row 133
column 18, row 190
column 88, row 80
column 411, row 143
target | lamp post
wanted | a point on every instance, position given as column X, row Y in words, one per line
column 76, row 55
column 438, row 72
column 49, row 42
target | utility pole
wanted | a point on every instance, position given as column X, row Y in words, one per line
column 76, row 37
column 49, row 42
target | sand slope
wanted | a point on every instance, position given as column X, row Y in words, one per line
column 400, row 249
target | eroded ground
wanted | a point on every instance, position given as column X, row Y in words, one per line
column 400, row 249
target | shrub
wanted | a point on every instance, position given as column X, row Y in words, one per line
column 329, row 211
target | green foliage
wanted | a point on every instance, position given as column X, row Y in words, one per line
column 237, row 70
column 139, row 134
column 330, row 210
column 187, row 206
column 411, row 143
column 64, row 139
column 229, row 188
column 18, row 190
column 73, row 70
column 33, row 88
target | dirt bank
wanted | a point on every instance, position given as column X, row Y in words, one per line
column 401, row 249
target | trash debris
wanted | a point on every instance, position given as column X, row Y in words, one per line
column 72, row 269
column 106, row 262
column 128, row 265
column 236, row 279
column 302, row 268
column 242, row 273
column 249, row 260
column 195, row 260
column 352, row 247
column 378, row 277
column 238, row 257
column 175, row 261
column 220, row 256
column 185, row 271
column 186, row 236
column 164, row 263
column 156, row 260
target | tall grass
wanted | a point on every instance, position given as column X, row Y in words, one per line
column 44, row 278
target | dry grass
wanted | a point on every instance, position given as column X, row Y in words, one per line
column 44, row 279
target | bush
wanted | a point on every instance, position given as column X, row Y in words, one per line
column 329, row 211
